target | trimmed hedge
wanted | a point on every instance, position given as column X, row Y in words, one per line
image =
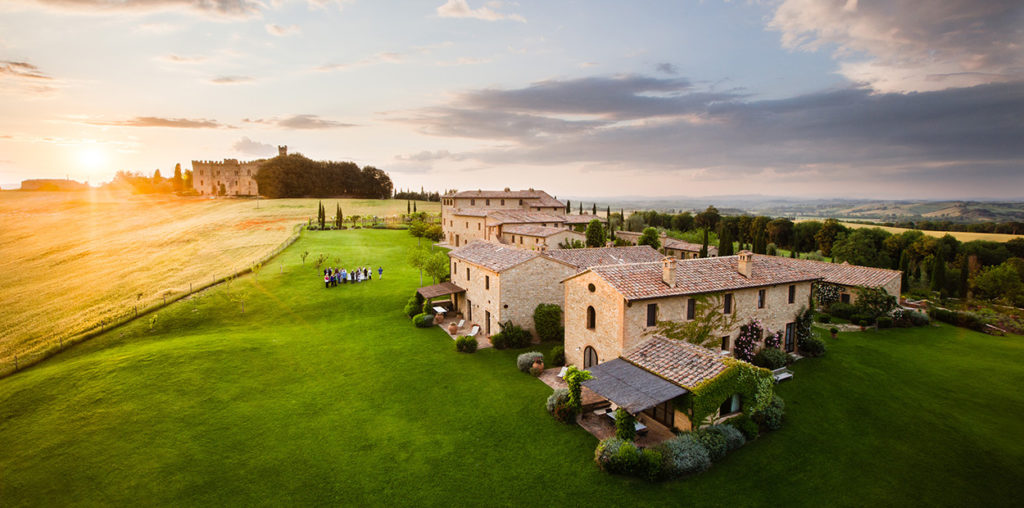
column 812, row 346
column 824, row 318
column 884, row 322
column 770, row 358
column 466, row 344
column 412, row 307
column 547, row 320
column 423, row 320
column 841, row 310
column 968, row 320
column 511, row 336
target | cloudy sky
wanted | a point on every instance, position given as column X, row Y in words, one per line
column 811, row 98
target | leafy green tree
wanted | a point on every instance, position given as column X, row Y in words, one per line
column 547, row 321
column 418, row 257
column 1000, row 283
column 635, row 222
column 826, row 236
column 803, row 235
column 780, row 232
column 725, row 242
column 436, row 265
column 874, row 301
column 865, row 247
column 705, row 329
column 574, row 379
column 682, row 222
column 595, row 234
column 650, row 237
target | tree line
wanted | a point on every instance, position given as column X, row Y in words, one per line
column 138, row 183
column 419, row 196
column 295, row 175
column 1006, row 228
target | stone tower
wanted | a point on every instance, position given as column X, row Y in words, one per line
column 282, row 150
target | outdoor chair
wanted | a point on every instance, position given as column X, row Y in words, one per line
column 474, row 331
column 461, row 322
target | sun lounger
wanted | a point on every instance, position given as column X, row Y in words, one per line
column 474, row 331
column 461, row 322
column 561, row 373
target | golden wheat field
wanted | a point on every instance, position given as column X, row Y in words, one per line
column 963, row 236
column 70, row 261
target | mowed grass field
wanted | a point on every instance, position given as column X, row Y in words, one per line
column 963, row 236
column 71, row 260
column 320, row 396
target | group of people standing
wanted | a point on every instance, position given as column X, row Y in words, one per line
column 335, row 276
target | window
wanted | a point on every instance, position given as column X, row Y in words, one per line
column 652, row 314
column 845, row 298
column 727, row 306
column 725, row 343
column 487, row 202
column 513, row 238
column 760, row 298
column 472, row 202
column 467, row 224
column 792, row 293
column 520, row 202
column 591, row 288
column 790, row 345
column 479, row 226
column 691, row 309
column 589, row 357
column 591, row 318
column 487, row 282
column 455, row 267
column 467, row 273
column 503, row 202
column 664, row 413
column 730, row 406
column 520, row 240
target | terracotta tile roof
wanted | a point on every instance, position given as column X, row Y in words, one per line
column 532, row 230
column 522, row 217
column 847, row 274
column 583, row 219
column 678, row 361
column 471, row 212
column 493, row 256
column 586, row 258
column 672, row 243
column 536, row 197
column 702, row 275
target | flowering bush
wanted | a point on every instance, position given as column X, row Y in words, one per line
column 826, row 293
column 750, row 334
column 773, row 340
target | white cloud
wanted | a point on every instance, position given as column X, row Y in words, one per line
column 218, row 8
column 461, row 9
column 379, row 58
column 902, row 45
column 282, row 31
column 251, row 147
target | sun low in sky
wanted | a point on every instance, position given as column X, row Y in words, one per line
column 898, row 99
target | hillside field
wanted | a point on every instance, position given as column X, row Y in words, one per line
column 316, row 396
column 70, row 260
column 963, row 236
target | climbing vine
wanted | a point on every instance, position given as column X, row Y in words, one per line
column 574, row 378
column 754, row 384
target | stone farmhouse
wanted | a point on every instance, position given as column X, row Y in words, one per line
column 493, row 283
column 611, row 309
column 498, row 216
column 237, row 178
column 671, row 246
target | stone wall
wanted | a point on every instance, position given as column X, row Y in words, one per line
column 239, row 178
column 609, row 307
column 481, row 297
column 531, row 283
column 893, row 287
column 460, row 229
column 621, row 325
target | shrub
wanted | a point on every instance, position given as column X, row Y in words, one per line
column 650, row 463
column 841, row 310
column 714, row 443
column 734, row 439
column 536, row 371
column 515, row 337
column 770, row 358
column 557, row 356
column 773, row 340
column 423, row 320
column 958, row 318
column 428, row 308
column 833, row 330
column 466, row 344
column 884, row 322
column 745, row 425
column 771, row 417
column 412, row 307
column 824, row 318
column 917, row 318
column 558, row 406
column 499, row 341
column 614, row 455
column 525, row 360
column 625, row 425
column 682, row 456
column 862, row 319
column 812, row 346
column 547, row 320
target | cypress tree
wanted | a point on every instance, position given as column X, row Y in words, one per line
column 792, row 254
column 341, row 217
column 595, row 210
column 568, row 206
column 608, row 213
column 704, row 247
column 964, row 277
column 905, row 269
column 408, row 206
column 725, row 243
column 413, row 207
column 938, row 275
column 581, row 208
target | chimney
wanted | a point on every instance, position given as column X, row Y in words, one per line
column 745, row 265
column 668, row 271
column 609, row 243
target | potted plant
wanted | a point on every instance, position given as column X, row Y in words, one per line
column 863, row 324
column 539, row 363
column 452, row 328
column 833, row 331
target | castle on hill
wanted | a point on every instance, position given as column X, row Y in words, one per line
column 230, row 177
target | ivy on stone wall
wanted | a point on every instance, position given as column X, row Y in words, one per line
column 754, row 384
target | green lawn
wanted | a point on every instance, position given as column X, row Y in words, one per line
column 318, row 396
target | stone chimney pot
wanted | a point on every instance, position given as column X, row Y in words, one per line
column 745, row 265
column 668, row 271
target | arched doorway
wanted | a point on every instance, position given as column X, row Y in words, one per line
column 589, row 357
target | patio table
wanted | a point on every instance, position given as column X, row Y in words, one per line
column 440, row 310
